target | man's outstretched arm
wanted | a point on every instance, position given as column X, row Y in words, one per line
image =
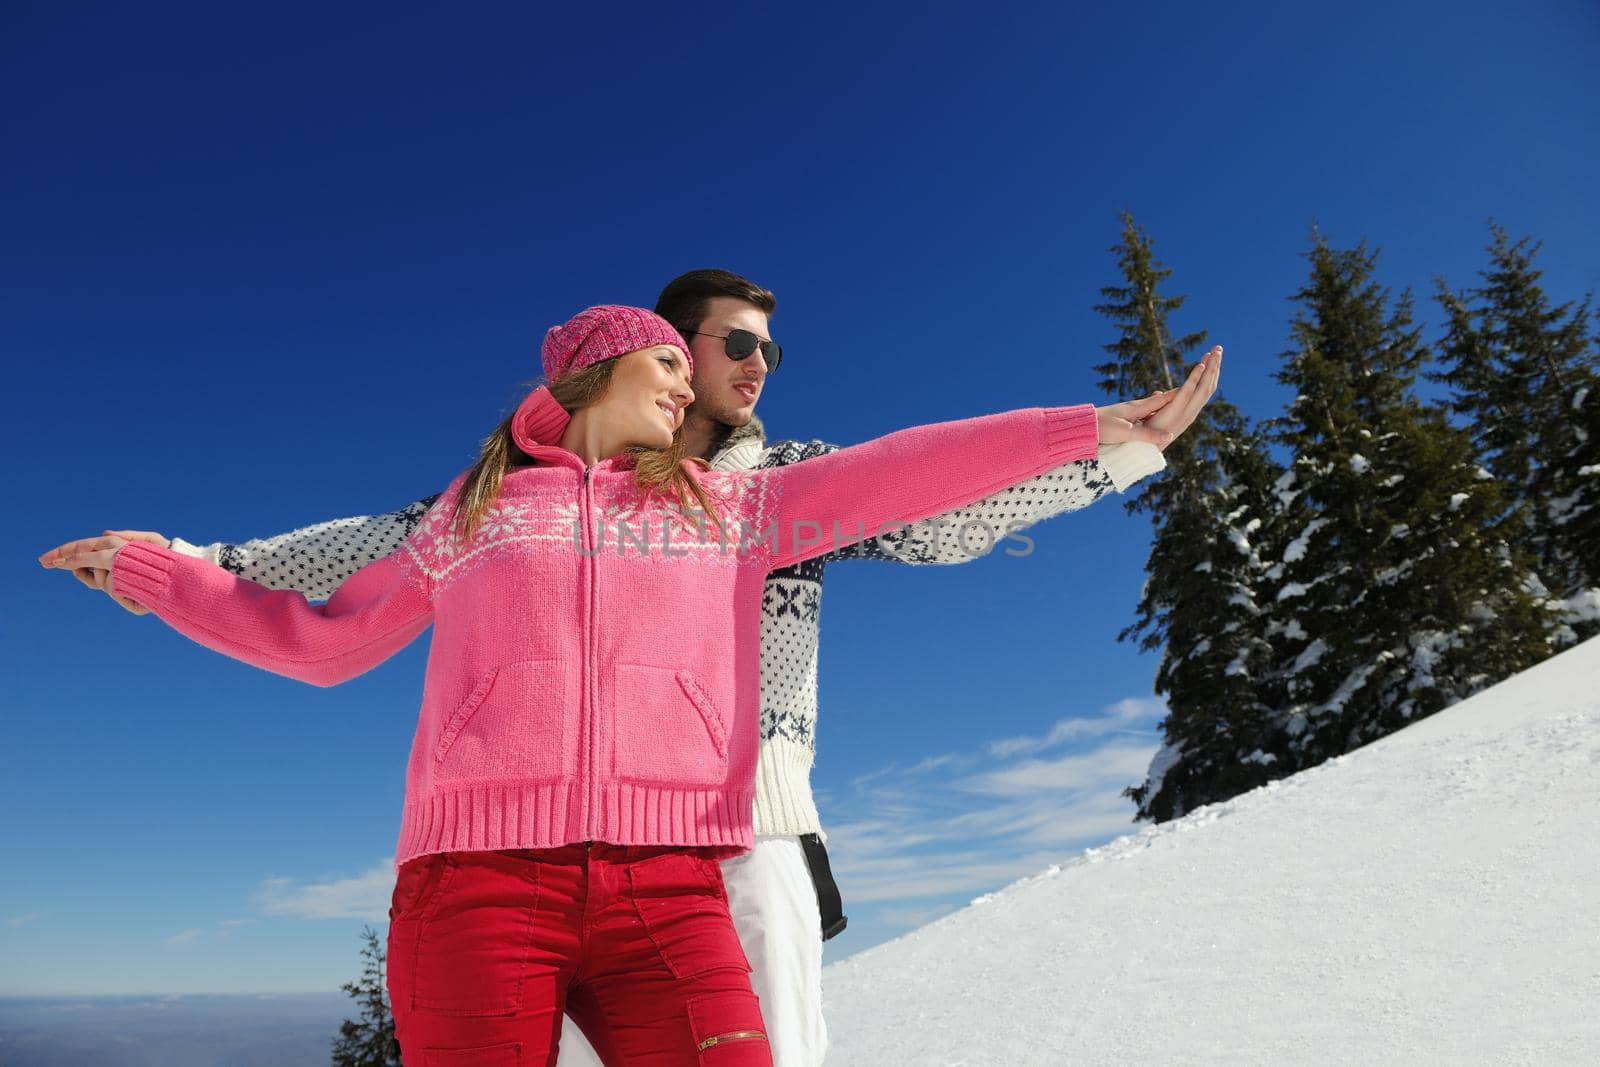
column 313, row 560
column 969, row 532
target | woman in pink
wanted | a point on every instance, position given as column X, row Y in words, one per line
column 585, row 750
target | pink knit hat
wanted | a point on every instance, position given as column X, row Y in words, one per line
column 597, row 334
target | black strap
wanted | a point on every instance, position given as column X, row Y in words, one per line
column 828, row 902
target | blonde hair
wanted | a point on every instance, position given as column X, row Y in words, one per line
column 655, row 469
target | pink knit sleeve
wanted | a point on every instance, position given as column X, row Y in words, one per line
column 376, row 612
column 905, row 477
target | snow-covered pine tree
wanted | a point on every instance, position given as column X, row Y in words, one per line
column 1200, row 602
column 1208, row 605
column 1581, row 528
column 1398, row 596
column 1521, row 372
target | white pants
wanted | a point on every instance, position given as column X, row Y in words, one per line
column 774, row 908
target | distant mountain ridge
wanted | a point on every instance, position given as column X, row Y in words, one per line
column 260, row 1030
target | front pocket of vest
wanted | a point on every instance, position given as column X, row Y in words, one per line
column 666, row 729
column 515, row 724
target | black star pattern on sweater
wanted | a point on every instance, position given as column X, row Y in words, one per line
column 802, row 602
column 317, row 559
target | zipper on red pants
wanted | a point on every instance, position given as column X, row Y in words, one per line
column 737, row 1035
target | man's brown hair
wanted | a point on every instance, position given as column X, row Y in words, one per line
column 685, row 299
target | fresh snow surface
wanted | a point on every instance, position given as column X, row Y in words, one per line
column 1431, row 898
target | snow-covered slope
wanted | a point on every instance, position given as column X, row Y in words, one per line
column 1432, row 898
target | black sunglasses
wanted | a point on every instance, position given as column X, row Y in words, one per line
column 739, row 344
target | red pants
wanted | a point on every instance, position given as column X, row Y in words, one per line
column 487, row 950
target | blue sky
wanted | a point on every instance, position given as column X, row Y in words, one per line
column 266, row 268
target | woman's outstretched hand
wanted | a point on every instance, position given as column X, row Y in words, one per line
column 1159, row 419
column 89, row 559
column 1192, row 398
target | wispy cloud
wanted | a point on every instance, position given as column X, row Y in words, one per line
column 964, row 823
column 1124, row 714
column 24, row 920
column 1067, row 774
column 365, row 896
column 220, row 932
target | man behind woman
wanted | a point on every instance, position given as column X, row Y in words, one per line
column 658, row 692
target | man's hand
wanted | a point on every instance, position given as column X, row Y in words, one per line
column 1159, row 419
column 89, row 559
